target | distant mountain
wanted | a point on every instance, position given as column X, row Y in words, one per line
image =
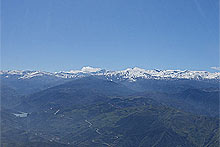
column 9, row 97
column 25, row 86
column 80, row 91
column 170, row 86
column 27, row 82
column 95, row 107
column 130, row 74
column 197, row 101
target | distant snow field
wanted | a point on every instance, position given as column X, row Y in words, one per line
column 131, row 74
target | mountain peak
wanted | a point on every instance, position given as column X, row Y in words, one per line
column 90, row 69
column 135, row 69
column 131, row 74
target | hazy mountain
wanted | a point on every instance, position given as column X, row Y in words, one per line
column 130, row 74
column 94, row 110
column 81, row 91
column 197, row 101
column 9, row 97
column 27, row 82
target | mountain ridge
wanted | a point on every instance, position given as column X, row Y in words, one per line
column 130, row 74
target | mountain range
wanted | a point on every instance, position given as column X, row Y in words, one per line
column 95, row 107
column 131, row 74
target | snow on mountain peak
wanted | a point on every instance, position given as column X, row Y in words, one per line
column 130, row 74
column 135, row 69
column 90, row 69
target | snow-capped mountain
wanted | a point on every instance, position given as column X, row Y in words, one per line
column 130, row 74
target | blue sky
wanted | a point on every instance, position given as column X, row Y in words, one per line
column 55, row 35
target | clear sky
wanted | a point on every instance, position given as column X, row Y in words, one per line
column 54, row 35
